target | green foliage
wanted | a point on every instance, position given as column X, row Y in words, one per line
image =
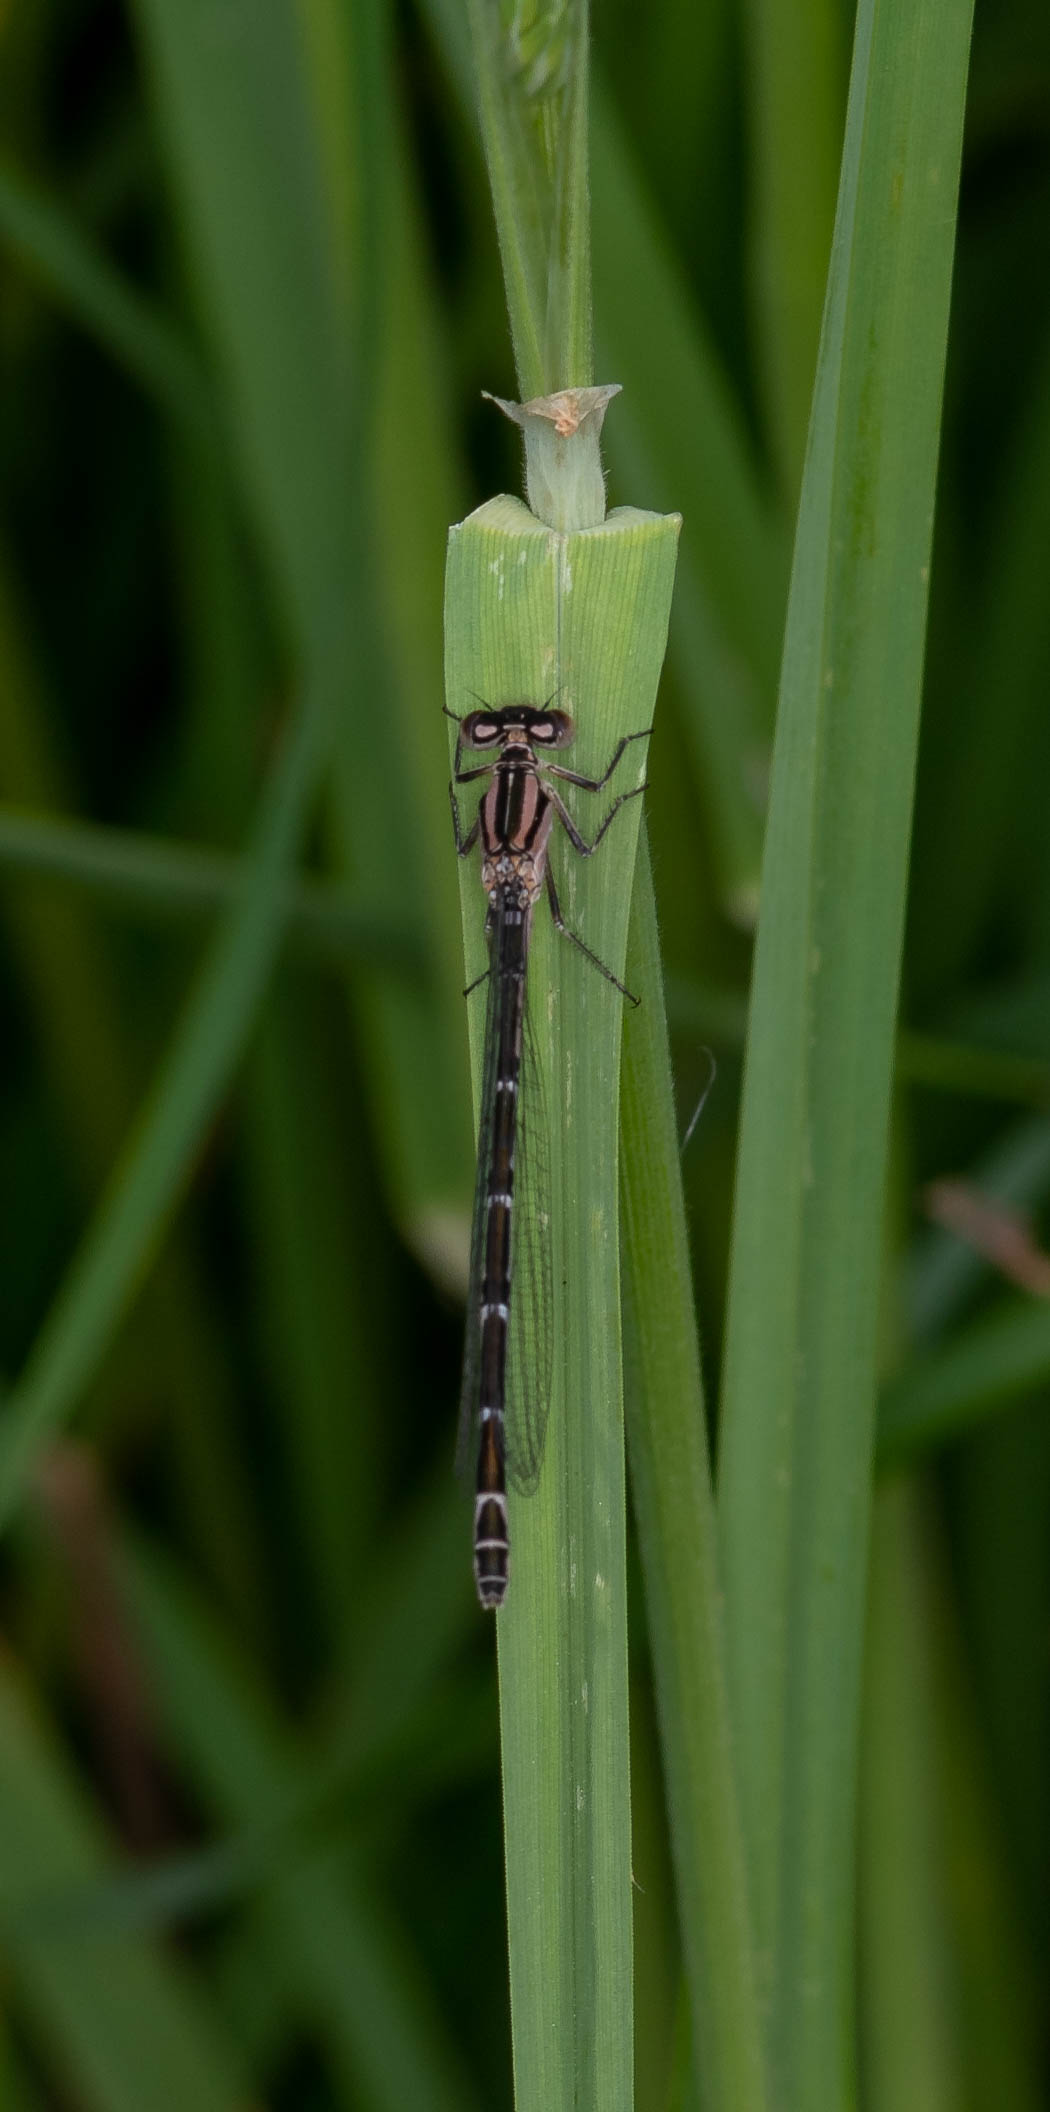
column 251, row 1836
column 799, row 1375
column 589, row 612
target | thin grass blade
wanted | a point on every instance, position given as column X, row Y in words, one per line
column 725, row 631
column 147, row 1182
column 907, row 1981
column 285, row 146
column 529, row 613
column 160, row 879
column 796, row 87
column 800, row 1366
column 673, row 1502
column 531, row 75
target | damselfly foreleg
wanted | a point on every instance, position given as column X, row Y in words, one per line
column 598, row 784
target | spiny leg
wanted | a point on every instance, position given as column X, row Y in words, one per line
column 560, row 925
column 464, row 844
column 486, row 972
column 598, row 784
column 578, row 842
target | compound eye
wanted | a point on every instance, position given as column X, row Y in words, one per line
column 551, row 729
column 479, row 730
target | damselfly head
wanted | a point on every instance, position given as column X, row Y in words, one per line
column 534, row 724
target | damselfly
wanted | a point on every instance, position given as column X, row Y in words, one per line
column 506, row 1364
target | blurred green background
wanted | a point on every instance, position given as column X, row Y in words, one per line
column 249, row 296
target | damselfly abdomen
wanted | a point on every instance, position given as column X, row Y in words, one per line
column 506, row 1365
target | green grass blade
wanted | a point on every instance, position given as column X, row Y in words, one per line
column 273, row 227
column 285, row 149
column 795, row 82
column 422, row 1112
column 671, row 1490
column 528, row 612
column 323, row 1269
column 657, row 1962
column 106, row 2009
column 909, row 2020
column 725, row 631
column 799, row 1383
column 146, row 1183
column 532, row 96
column 140, row 873
column 732, row 569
